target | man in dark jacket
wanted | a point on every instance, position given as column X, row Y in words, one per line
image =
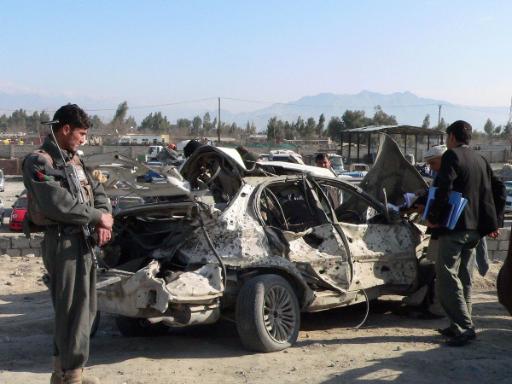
column 465, row 171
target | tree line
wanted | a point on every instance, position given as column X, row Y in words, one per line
column 21, row 121
column 277, row 129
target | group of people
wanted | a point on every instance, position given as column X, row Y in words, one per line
column 54, row 209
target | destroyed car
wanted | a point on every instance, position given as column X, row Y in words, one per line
column 260, row 248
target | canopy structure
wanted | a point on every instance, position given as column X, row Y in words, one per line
column 353, row 137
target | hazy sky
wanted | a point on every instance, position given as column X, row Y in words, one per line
column 151, row 52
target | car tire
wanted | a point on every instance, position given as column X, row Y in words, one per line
column 137, row 327
column 267, row 314
column 95, row 324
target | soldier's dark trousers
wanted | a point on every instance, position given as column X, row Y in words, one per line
column 73, row 291
column 454, row 267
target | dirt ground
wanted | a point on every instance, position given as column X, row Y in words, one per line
column 395, row 345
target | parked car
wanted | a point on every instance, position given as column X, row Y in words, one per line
column 2, row 181
column 19, row 210
column 285, row 155
column 262, row 248
column 508, row 203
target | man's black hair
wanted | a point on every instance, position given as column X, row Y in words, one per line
column 321, row 157
column 191, row 147
column 73, row 115
column 461, row 130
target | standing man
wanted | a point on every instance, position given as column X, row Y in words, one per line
column 433, row 157
column 464, row 171
column 66, row 253
column 322, row 161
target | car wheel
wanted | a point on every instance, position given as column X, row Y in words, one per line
column 267, row 314
column 95, row 324
column 136, row 327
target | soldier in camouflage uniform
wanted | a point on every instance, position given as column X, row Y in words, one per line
column 66, row 254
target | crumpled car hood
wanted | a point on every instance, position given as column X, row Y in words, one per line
column 393, row 173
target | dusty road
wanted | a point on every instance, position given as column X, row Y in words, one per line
column 394, row 345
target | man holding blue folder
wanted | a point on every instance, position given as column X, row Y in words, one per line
column 466, row 172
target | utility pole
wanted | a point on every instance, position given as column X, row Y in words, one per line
column 510, row 112
column 439, row 116
column 218, row 124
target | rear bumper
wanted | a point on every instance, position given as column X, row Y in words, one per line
column 185, row 299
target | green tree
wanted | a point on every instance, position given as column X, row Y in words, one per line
column 382, row 118
column 207, row 124
column 355, row 119
column 97, row 124
column 320, row 126
column 18, row 121
column 309, row 128
column 288, row 129
column 250, row 128
column 442, row 125
column 155, row 122
column 130, row 123
column 4, row 123
column 275, row 130
column 121, row 112
column 299, row 127
column 120, row 122
column 426, row 122
column 184, row 124
column 507, row 133
column 489, row 128
column 196, row 125
column 335, row 127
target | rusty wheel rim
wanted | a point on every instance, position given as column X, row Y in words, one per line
column 278, row 314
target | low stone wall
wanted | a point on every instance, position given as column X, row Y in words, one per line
column 18, row 245
column 498, row 248
column 14, row 244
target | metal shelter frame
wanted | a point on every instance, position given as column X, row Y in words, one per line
column 405, row 130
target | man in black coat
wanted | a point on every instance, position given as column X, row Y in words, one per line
column 465, row 171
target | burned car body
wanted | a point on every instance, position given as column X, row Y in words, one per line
column 261, row 246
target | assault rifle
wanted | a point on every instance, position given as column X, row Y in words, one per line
column 76, row 190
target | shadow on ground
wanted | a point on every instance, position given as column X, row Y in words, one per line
column 29, row 334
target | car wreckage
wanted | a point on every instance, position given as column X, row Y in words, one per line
column 261, row 244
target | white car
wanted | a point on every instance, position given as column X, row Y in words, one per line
column 261, row 246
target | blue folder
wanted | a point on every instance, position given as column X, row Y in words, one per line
column 456, row 204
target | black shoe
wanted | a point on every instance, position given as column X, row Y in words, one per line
column 462, row 339
column 448, row 332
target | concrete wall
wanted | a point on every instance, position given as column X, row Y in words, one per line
column 16, row 244
column 496, row 156
column 498, row 248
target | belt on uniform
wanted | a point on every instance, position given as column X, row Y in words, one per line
column 66, row 230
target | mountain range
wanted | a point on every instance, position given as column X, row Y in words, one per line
column 406, row 106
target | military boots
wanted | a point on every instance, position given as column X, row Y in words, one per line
column 74, row 376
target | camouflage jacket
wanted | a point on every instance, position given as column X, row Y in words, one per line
column 50, row 200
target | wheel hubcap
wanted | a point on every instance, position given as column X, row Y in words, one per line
column 279, row 314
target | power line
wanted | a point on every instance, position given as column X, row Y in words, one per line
column 114, row 109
